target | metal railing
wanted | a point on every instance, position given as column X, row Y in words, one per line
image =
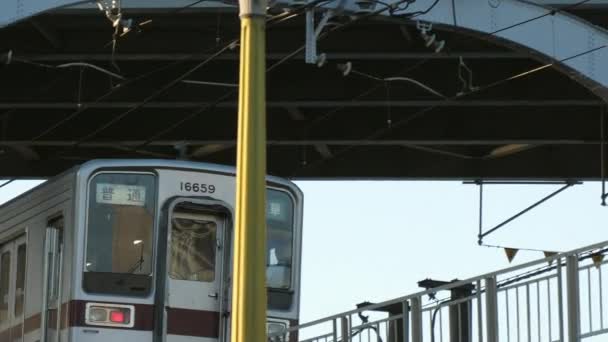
column 555, row 299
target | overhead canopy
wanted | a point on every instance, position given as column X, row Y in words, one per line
column 382, row 105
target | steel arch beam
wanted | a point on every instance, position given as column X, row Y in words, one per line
column 554, row 36
column 12, row 11
column 577, row 47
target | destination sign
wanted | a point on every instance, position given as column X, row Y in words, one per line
column 276, row 210
column 120, row 194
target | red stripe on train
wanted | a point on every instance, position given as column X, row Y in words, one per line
column 184, row 322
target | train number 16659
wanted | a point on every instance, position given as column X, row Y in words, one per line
column 196, row 187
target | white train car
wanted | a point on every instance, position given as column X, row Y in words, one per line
column 137, row 250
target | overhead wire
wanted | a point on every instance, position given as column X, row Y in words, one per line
column 409, row 69
column 154, row 95
column 171, row 84
column 387, row 7
column 68, row 65
column 552, row 11
column 400, row 78
column 378, row 133
column 228, row 94
column 178, row 80
column 418, row 13
column 104, row 96
column 130, row 81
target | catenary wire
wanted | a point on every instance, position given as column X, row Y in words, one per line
column 128, row 82
column 154, row 95
column 409, row 69
column 228, row 94
column 171, row 84
column 550, row 12
column 68, row 65
column 430, row 8
column 377, row 134
column 387, row 7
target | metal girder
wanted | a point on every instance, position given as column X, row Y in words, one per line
column 362, row 56
column 290, row 105
column 206, row 150
column 577, row 47
column 589, row 4
column 212, row 146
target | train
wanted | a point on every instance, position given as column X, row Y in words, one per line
column 138, row 250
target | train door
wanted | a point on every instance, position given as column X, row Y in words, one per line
column 194, row 300
column 12, row 289
column 53, row 252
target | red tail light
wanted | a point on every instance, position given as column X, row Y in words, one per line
column 117, row 317
column 110, row 315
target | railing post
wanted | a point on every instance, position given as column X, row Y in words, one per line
column 560, row 299
column 345, row 329
column 460, row 314
column 406, row 321
column 491, row 310
column 335, row 330
column 572, row 289
column 479, row 312
column 416, row 306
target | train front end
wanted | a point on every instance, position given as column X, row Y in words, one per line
column 155, row 252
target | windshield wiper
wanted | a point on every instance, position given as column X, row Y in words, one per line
column 139, row 264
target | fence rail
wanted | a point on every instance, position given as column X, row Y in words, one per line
column 555, row 299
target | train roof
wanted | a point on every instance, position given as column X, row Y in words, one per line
column 92, row 165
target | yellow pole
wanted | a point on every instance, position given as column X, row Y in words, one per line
column 248, row 318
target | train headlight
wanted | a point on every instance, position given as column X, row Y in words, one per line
column 277, row 331
column 111, row 315
column 97, row 314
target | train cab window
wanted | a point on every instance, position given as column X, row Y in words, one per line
column 279, row 225
column 120, row 228
column 193, row 247
column 20, row 281
column 5, row 272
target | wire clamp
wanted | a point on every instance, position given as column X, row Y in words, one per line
column 429, row 39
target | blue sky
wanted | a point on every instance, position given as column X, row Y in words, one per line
column 375, row 240
column 371, row 241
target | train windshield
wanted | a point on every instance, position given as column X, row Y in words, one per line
column 120, row 228
column 280, row 226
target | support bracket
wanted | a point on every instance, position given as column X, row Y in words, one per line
column 481, row 183
column 312, row 35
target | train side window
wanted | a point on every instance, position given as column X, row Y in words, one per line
column 5, row 271
column 20, row 281
column 193, row 246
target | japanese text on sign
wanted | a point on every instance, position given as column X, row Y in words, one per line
column 275, row 210
column 121, row 194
